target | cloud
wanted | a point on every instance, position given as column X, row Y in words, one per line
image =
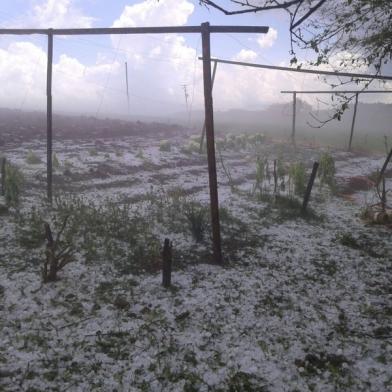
column 158, row 66
column 155, row 13
column 22, row 75
column 268, row 40
column 245, row 55
column 55, row 14
column 75, row 85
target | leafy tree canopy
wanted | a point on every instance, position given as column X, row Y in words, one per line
column 360, row 28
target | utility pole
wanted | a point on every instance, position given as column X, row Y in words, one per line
column 186, row 95
column 209, row 121
column 127, row 86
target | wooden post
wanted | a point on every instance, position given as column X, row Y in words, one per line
column 49, row 123
column 383, row 195
column 310, row 186
column 353, row 122
column 294, row 117
column 126, row 81
column 384, row 167
column 386, row 144
column 275, row 177
column 166, row 263
column 3, row 162
column 209, row 121
column 203, row 132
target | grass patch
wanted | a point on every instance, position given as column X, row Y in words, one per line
column 32, row 158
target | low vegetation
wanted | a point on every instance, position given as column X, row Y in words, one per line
column 165, row 146
column 299, row 302
column 326, row 171
column 14, row 181
column 32, row 158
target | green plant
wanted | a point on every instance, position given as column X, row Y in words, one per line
column 246, row 382
column 58, row 253
column 297, row 173
column 140, row 154
column 56, row 162
column 164, row 145
column 281, row 173
column 326, row 171
column 256, row 139
column 29, row 229
column 93, row 152
column 32, row 158
column 14, row 181
column 191, row 147
column 196, row 215
column 112, row 230
column 260, row 173
column 195, row 138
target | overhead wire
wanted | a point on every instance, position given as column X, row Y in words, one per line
column 111, row 49
column 117, row 52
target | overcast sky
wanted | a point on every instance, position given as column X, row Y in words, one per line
column 89, row 71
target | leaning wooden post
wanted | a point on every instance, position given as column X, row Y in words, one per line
column 203, row 132
column 166, row 263
column 384, row 167
column 294, row 117
column 353, row 122
column 3, row 163
column 310, row 186
column 49, row 124
column 209, row 121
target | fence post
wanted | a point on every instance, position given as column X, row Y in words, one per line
column 294, row 117
column 209, row 121
column 353, row 122
column 203, row 132
column 3, row 162
column 49, row 122
column 310, row 186
column 275, row 177
column 384, row 167
column 166, row 263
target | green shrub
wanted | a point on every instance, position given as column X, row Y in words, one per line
column 110, row 231
column 196, row 215
column 56, row 162
column 32, row 158
column 260, row 173
column 191, row 147
column 255, row 139
column 164, row 145
column 196, row 139
column 14, row 181
column 140, row 154
column 220, row 144
column 297, row 175
column 30, row 229
column 241, row 141
column 326, row 171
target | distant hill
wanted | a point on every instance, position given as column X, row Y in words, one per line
column 373, row 123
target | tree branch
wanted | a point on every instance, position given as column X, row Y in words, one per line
column 250, row 7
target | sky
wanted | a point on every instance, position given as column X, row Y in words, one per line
column 89, row 71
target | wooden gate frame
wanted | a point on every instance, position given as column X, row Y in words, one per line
column 205, row 29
